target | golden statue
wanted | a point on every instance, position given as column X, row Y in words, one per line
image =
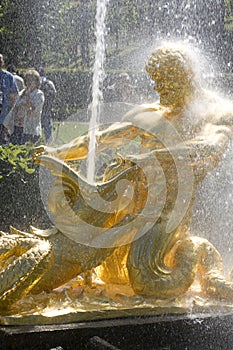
column 136, row 234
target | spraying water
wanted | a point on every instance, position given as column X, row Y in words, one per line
column 98, row 77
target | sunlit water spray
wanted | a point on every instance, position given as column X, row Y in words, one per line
column 98, row 77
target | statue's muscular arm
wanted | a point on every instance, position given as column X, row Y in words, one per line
column 202, row 152
column 116, row 135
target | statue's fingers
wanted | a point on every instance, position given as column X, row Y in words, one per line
column 37, row 153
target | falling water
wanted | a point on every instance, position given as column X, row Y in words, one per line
column 98, row 76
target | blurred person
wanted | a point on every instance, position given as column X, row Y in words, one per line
column 18, row 79
column 8, row 94
column 24, row 121
column 49, row 90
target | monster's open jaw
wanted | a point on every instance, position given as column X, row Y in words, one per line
column 54, row 164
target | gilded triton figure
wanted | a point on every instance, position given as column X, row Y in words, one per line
column 137, row 234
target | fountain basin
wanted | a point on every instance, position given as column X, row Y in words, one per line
column 172, row 331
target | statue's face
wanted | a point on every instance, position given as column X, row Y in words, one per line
column 172, row 75
column 172, row 84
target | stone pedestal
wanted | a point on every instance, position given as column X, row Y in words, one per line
column 191, row 332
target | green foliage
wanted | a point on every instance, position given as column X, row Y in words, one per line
column 61, row 34
column 16, row 159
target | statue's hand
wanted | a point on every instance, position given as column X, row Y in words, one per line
column 140, row 158
column 39, row 151
column 137, row 158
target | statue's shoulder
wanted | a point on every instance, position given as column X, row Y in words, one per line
column 139, row 112
column 153, row 107
column 149, row 117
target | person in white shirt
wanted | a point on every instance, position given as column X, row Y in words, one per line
column 24, row 121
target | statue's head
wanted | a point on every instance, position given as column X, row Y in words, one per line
column 171, row 69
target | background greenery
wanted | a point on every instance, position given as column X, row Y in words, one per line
column 60, row 35
column 20, row 203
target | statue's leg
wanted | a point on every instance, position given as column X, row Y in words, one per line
column 23, row 262
column 151, row 276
